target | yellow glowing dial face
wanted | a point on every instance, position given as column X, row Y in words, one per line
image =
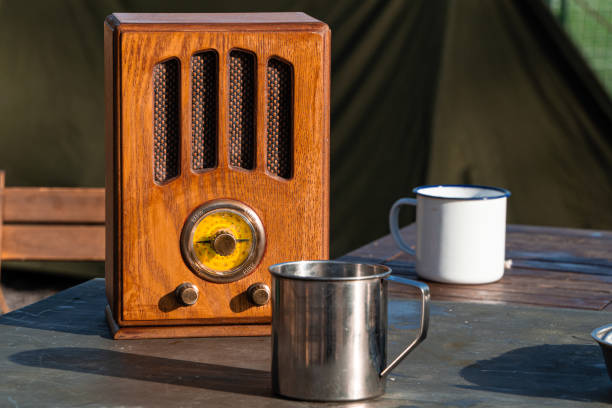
column 222, row 240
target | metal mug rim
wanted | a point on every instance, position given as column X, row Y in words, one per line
column 386, row 271
column 599, row 333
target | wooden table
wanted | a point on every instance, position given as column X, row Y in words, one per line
column 58, row 352
column 556, row 267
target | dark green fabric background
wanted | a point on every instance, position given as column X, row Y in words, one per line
column 423, row 91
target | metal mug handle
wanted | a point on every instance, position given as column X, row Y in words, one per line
column 424, row 289
column 394, row 223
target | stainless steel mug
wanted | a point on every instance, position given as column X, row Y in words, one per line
column 329, row 329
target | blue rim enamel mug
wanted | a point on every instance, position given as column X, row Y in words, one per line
column 461, row 232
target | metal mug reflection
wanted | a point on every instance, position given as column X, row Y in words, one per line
column 329, row 329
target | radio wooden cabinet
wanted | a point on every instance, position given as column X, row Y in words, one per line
column 217, row 148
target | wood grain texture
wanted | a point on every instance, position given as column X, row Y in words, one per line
column 3, row 306
column 51, row 224
column 54, row 205
column 112, row 122
column 145, row 219
column 168, row 332
column 53, row 242
column 559, row 267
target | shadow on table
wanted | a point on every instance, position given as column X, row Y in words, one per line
column 569, row 372
column 148, row 368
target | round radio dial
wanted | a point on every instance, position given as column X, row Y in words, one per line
column 222, row 241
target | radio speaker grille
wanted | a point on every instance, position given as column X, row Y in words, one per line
column 241, row 109
column 279, row 118
column 166, row 133
column 204, row 91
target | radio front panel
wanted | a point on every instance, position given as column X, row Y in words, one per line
column 220, row 152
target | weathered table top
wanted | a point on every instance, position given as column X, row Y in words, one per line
column 58, row 352
column 555, row 267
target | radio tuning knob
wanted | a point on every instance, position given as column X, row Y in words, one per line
column 259, row 293
column 187, row 294
column 224, row 244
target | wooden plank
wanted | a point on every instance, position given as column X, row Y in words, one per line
column 557, row 267
column 405, row 262
column 571, row 277
column 528, row 286
column 53, row 242
column 559, row 231
column 557, row 279
column 530, row 242
column 483, row 294
column 3, row 306
column 557, row 257
column 54, row 205
column 562, row 266
column 442, row 292
column 532, row 287
column 538, row 285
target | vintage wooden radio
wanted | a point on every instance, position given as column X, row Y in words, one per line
column 217, row 166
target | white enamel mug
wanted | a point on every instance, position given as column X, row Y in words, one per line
column 461, row 232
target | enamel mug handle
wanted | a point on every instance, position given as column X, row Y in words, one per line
column 424, row 290
column 394, row 223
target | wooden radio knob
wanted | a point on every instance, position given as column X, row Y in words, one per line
column 187, row 294
column 259, row 294
column 224, row 244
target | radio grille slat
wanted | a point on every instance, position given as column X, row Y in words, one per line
column 166, row 123
column 241, row 110
column 204, row 90
column 279, row 119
